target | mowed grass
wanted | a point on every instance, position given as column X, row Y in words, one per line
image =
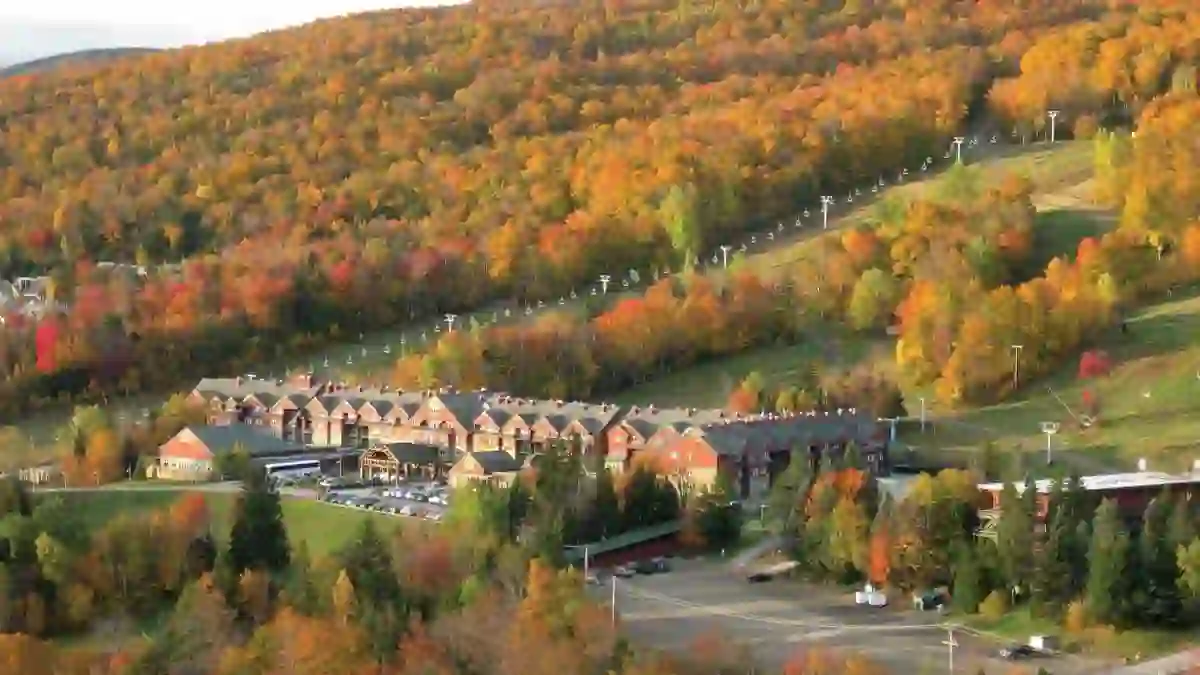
column 1017, row 626
column 324, row 528
column 1059, row 174
column 1149, row 405
column 708, row 385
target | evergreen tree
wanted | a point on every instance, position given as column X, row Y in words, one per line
column 852, row 457
column 1182, row 522
column 258, row 539
column 649, row 499
column 785, row 504
column 1157, row 591
column 300, row 590
column 605, row 512
column 719, row 516
column 1106, row 591
column 1052, row 566
column 1073, row 510
column 969, row 584
column 378, row 595
column 1014, row 536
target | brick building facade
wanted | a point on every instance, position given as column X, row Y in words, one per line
column 695, row 446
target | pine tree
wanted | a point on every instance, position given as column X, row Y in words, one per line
column 378, row 595
column 1182, row 523
column 1158, row 597
column 1106, row 592
column 786, row 500
column 1052, row 566
column 300, row 591
column 258, row 538
column 969, row 589
column 1014, row 536
column 606, row 509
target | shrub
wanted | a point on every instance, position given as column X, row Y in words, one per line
column 1076, row 619
column 994, row 606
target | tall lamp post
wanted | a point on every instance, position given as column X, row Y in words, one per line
column 958, row 141
column 450, row 319
column 1053, row 117
column 1016, row 350
column 605, row 280
column 826, row 200
column 950, row 645
column 922, row 414
column 725, row 249
column 1049, row 428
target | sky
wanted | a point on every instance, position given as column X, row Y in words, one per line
column 32, row 29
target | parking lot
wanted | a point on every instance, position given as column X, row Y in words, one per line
column 776, row 619
column 415, row 499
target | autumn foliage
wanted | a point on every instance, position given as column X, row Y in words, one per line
column 437, row 159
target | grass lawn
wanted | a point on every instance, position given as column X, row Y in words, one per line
column 1060, row 176
column 1019, row 625
column 1149, row 403
column 324, row 528
column 708, row 385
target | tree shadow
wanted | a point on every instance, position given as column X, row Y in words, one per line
column 1057, row 233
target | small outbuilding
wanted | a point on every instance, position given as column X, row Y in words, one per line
column 495, row 466
column 193, row 453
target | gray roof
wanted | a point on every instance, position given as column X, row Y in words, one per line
column 496, row 461
column 560, row 414
column 223, row 439
column 647, row 421
column 410, row 453
column 240, row 387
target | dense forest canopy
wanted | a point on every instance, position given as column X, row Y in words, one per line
column 361, row 171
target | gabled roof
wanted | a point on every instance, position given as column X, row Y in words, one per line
column 223, row 439
column 241, row 387
column 408, row 453
column 496, row 461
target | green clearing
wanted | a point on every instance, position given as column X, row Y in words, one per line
column 708, row 385
column 324, row 528
column 1019, row 625
column 1149, row 404
column 1060, row 176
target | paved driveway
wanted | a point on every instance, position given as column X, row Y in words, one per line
column 777, row 619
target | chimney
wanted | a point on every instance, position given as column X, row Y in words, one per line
column 1196, row 466
column 1141, row 465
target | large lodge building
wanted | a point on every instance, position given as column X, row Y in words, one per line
column 692, row 446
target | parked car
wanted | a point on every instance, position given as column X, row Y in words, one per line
column 652, row 566
column 1017, row 652
column 623, row 571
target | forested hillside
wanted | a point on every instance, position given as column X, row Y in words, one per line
column 360, row 171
